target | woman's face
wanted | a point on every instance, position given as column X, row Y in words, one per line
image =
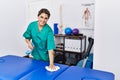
column 42, row 19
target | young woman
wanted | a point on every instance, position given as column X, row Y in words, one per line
column 41, row 35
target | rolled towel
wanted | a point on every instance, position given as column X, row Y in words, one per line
column 52, row 70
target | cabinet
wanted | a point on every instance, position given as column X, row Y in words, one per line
column 71, row 45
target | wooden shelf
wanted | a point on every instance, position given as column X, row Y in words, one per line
column 66, row 51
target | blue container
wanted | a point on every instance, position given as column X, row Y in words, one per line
column 55, row 28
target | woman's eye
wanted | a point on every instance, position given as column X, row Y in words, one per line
column 41, row 17
column 46, row 18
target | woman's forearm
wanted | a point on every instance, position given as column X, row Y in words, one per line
column 51, row 57
column 29, row 43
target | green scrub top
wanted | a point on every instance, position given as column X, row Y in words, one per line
column 43, row 40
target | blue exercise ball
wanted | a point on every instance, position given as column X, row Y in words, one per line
column 75, row 31
column 68, row 31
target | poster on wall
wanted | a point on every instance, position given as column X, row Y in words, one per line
column 81, row 15
column 88, row 15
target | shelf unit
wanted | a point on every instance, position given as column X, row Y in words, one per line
column 61, row 47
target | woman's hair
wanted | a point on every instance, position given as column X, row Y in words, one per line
column 44, row 10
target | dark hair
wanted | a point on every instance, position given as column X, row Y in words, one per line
column 44, row 10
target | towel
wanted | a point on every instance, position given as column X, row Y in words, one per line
column 52, row 70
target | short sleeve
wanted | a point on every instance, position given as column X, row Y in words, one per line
column 50, row 41
column 27, row 33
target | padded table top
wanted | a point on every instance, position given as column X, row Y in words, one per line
column 43, row 74
column 77, row 73
column 14, row 68
column 20, row 68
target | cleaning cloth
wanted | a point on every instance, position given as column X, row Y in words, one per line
column 52, row 70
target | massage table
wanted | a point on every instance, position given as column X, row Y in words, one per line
column 19, row 68
column 78, row 73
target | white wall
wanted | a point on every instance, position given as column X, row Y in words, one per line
column 107, row 36
column 12, row 24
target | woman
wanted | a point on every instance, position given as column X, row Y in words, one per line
column 42, row 37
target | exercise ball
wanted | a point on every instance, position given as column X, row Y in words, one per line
column 68, row 31
column 75, row 31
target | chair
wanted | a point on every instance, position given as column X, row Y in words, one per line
column 87, row 57
column 87, row 52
